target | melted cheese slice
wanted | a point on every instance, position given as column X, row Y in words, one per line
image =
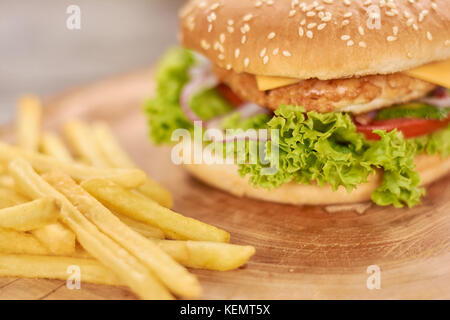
column 267, row 83
column 437, row 73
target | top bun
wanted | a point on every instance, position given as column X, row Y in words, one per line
column 324, row 39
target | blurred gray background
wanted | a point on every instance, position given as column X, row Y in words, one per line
column 38, row 54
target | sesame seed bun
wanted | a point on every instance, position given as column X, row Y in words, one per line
column 225, row 177
column 324, row 39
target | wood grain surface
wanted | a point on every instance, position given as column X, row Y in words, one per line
column 301, row 252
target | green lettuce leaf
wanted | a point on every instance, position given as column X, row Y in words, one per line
column 325, row 148
column 435, row 143
column 164, row 111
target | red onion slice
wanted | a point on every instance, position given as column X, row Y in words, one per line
column 201, row 78
column 439, row 98
column 246, row 110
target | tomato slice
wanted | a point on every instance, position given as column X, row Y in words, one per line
column 408, row 126
column 228, row 94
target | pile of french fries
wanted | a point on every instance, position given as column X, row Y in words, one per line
column 98, row 211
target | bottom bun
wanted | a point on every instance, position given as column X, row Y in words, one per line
column 226, row 177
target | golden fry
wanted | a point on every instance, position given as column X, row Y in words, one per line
column 9, row 198
column 118, row 158
column 101, row 247
column 29, row 216
column 82, row 141
column 6, row 181
column 52, row 145
column 141, row 227
column 177, row 278
column 51, row 267
column 128, row 178
column 12, row 241
column 207, row 255
column 174, row 225
column 57, row 238
column 29, row 123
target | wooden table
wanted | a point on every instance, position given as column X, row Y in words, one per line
column 302, row 252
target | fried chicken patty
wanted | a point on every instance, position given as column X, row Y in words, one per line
column 356, row 95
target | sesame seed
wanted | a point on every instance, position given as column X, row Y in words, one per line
column 275, row 51
column 271, row 35
column 263, row 52
column 230, row 22
column 228, row 67
column 245, row 28
column 230, row 29
column 321, row 26
column 345, row 22
column 409, row 55
column 300, row 31
column 395, row 30
column 429, row 35
column 236, row 53
column 303, row 22
column 362, row 44
column 309, row 34
column 222, row 37
column 348, row 15
column 246, row 62
column 361, row 30
column 247, row 17
column 345, row 37
column 292, row 13
column 210, row 27
column 350, row 43
column 391, row 38
column 347, row 2
column 410, row 22
column 415, row 27
column 434, row 6
column 205, row 45
column 286, row 53
column 328, row 1
column 221, row 56
column 243, row 39
column 266, row 59
column 312, row 25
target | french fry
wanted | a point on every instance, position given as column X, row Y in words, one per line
column 132, row 272
column 29, row 123
column 174, row 225
column 82, row 141
column 6, row 181
column 29, row 216
column 207, row 255
column 118, row 158
column 173, row 275
column 51, row 267
column 12, row 241
column 141, row 227
column 57, row 238
column 128, row 178
column 52, row 145
column 10, row 198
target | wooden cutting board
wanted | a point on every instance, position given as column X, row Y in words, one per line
column 301, row 252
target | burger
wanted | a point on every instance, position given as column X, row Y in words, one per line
column 355, row 89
